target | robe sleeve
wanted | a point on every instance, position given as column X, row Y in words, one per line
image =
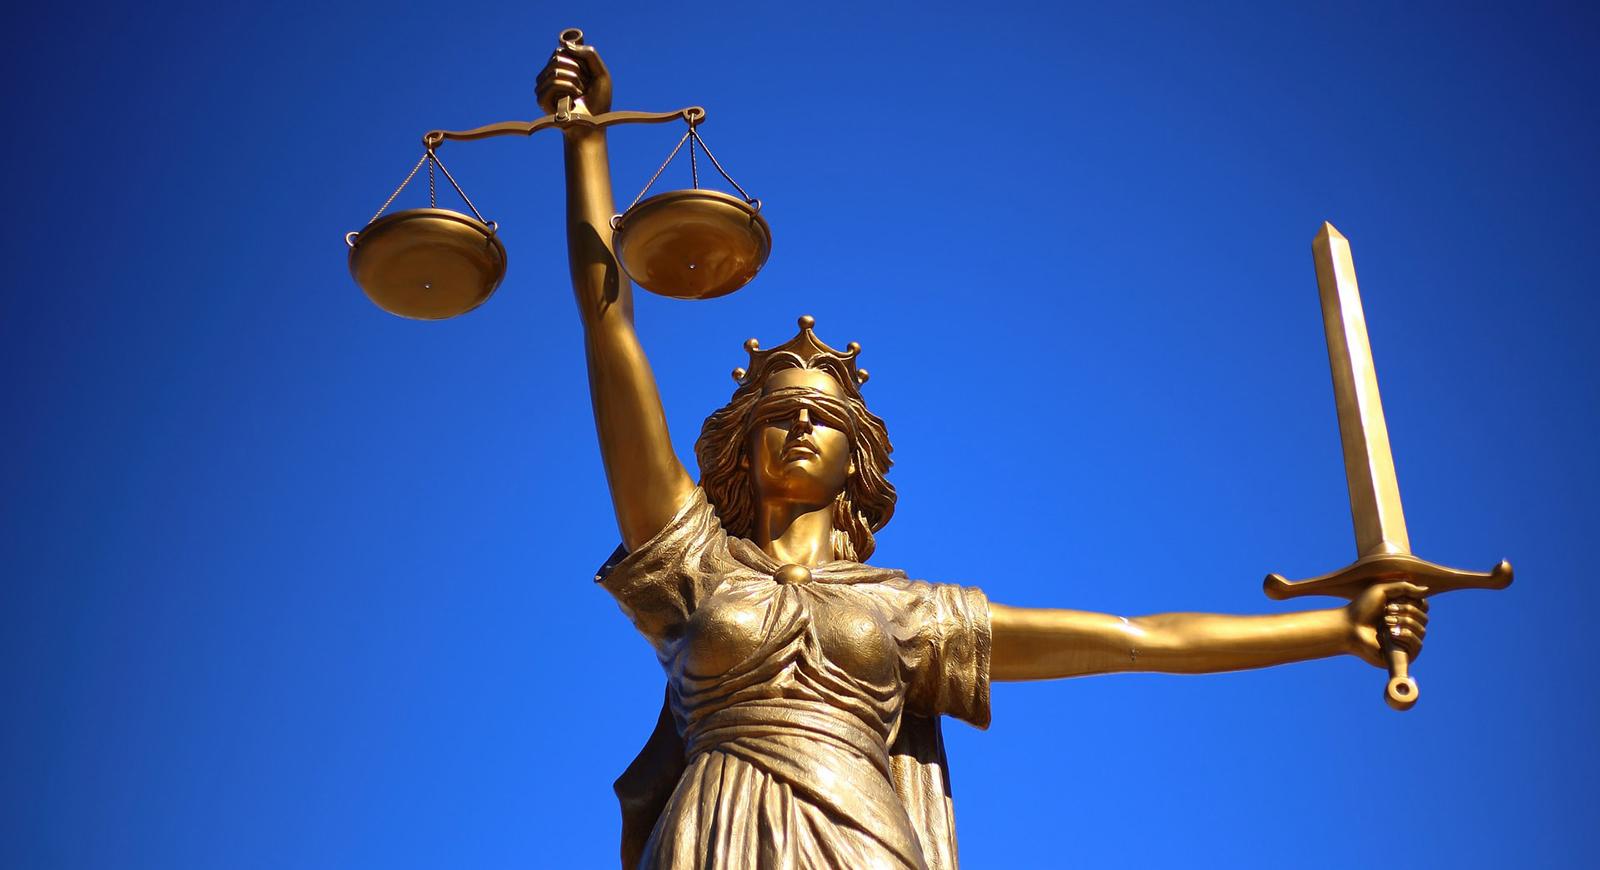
column 945, row 642
column 660, row 584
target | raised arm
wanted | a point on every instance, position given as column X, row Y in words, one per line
column 648, row 483
column 1036, row 644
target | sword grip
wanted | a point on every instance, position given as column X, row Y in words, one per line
column 1401, row 690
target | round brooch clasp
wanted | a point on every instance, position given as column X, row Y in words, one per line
column 792, row 575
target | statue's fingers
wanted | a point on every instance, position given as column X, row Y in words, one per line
column 561, row 84
column 1408, row 633
column 558, row 73
column 587, row 58
column 1407, row 607
column 1405, row 639
column 1408, row 624
column 558, row 89
column 1411, row 590
column 560, row 67
column 560, row 61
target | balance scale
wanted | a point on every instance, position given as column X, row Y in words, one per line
column 434, row 263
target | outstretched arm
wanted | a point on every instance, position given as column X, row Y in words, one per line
column 1036, row 644
column 648, row 483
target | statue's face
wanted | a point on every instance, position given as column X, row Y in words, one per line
column 799, row 445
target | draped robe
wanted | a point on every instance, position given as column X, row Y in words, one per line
column 801, row 720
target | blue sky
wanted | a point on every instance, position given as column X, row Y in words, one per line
column 289, row 582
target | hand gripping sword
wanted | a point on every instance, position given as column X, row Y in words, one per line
column 1384, row 549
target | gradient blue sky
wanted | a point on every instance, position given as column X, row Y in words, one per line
column 289, row 582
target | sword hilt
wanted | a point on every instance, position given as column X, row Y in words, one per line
column 1401, row 690
column 1350, row 581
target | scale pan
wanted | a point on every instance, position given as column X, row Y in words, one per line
column 427, row 263
column 692, row 244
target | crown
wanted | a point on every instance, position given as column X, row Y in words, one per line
column 804, row 351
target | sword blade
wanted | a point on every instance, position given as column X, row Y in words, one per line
column 1380, row 523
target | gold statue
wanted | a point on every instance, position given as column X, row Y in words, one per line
column 804, row 687
column 801, row 725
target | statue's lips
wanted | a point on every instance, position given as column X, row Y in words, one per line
column 799, row 452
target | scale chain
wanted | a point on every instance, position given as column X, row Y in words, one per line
column 462, row 193
column 412, row 174
column 694, row 165
column 693, row 138
column 431, row 159
column 713, row 158
column 662, row 168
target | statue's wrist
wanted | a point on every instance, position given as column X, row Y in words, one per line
column 1351, row 636
column 584, row 133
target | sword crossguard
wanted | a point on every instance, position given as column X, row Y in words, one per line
column 1353, row 579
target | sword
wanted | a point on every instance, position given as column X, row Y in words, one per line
column 1382, row 546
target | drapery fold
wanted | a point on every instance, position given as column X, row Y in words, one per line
column 801, row 722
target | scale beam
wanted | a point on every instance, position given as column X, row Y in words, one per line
column 561, row 120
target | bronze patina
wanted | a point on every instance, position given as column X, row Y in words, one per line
column 805, row 687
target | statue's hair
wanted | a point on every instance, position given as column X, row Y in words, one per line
column 865, row 505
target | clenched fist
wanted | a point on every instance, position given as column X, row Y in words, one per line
column 575, row 70
column 1395, row 612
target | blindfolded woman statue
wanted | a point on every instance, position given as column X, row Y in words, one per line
column 804, row 687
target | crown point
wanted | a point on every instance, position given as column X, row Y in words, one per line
column 853, row 347
column 804, row 351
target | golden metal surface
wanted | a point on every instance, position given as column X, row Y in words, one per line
column 686, row 244
column 805, row 689
column 692, row 244
column 427, row 263
column 557, row 121
column 1368, row 463
column 1382, row 545
column 793, row 470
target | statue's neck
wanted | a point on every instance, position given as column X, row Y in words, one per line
column 795, row 535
